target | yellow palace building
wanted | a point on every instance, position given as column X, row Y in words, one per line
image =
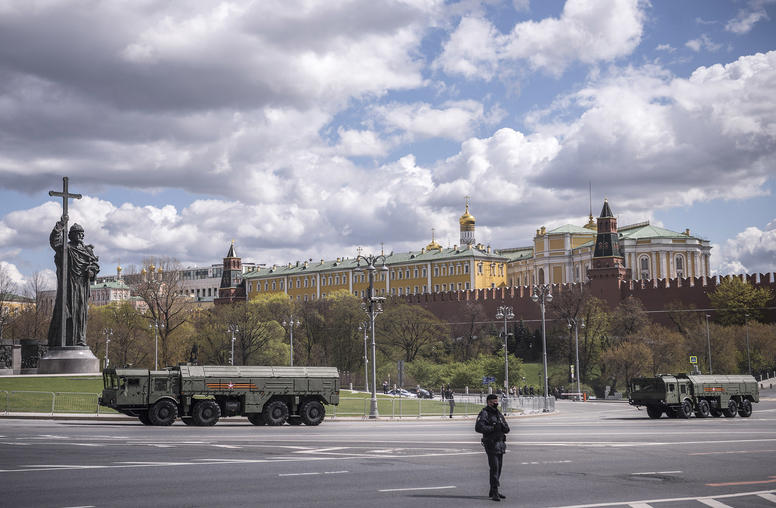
column 432, row 269
column 557, row 256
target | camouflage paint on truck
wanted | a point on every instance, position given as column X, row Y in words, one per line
column 705, row 395
column 200, row 395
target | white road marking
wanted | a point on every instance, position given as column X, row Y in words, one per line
column 658, row 472
column 713, row 503
column 540, row 462
column 322, row 450
column 312, row 474
column 640, row 505
column 769, row 497
column 417, row 488
column 233, row 447
column 732, row 452
column 647, row 502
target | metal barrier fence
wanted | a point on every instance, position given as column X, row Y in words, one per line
column 48, row 402
column 387, row 407
column 406, row 407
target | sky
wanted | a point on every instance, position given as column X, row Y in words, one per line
column 304, row 130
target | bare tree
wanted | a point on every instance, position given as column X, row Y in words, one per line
column 411, row 330
column 168, row 307
column 8, row 290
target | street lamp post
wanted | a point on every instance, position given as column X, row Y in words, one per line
column 372, row 306
column 108, row 335
column 748, row 358
column 542, row 295
column 573, row 322
column 155, row 326
column 364, row 327
column 291, row 324
column 708, row 341
column 505, row 313
column 234, row 329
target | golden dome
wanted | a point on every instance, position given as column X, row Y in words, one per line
column 433, row 245
column 466, row 219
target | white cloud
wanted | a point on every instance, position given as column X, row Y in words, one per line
column 703, row 42
column 456, row 120
column 665, row 47
column 13, row 274
column 586, row 31
column 360, row 142
column 750, row 251
column 748, row 17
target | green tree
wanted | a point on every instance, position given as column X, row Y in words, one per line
column 625, row 361
column 734, row 299
column 410, row 330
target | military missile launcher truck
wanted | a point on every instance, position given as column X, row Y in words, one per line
column 705, row 395
column 200, row 395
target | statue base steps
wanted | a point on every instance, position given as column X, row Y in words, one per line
column 69, row 360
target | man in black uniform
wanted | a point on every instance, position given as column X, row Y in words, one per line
column 493, row 427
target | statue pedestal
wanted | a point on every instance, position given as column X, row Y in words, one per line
column 69, row 360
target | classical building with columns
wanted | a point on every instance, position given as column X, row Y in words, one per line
column 565, row 254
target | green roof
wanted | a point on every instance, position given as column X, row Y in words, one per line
column 111, row 284
column 391, row 259
column 647, row 230
column 571, row 228
column 517, row 253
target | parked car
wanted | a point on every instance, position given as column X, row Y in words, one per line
column 401, row 392
column 422, row 393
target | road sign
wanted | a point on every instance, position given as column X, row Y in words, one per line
column 486, row 380
column 693, row 360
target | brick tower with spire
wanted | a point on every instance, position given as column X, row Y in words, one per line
column 232, row 287
column 608, row 262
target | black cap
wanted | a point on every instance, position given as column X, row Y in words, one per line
column 491, row 396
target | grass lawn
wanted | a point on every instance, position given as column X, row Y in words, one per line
column 75, row 384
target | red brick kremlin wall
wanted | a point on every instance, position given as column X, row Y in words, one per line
column 655, row 295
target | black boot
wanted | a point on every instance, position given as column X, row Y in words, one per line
column 502, row 496
column 493, row 495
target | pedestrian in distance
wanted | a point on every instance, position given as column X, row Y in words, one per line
column 494, row 428
column 451, row 401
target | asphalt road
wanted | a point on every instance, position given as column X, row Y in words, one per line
column 588, row 454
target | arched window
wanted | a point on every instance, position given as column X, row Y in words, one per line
column 644, row 267
column 680, row 266
column 541, row 275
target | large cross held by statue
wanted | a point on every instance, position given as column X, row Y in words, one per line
column 65, row 195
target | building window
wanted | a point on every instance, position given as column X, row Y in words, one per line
column 416, row 273
column 305, row 283
column 407, row 274
column 479, row 268
column 298, row 283
column 436, row 288
column 680, row 266
column 416, row 289
column 424, row 271
column 436, row 271
column 444, row 270
column 466, row 268
column 467, row 285
column 644, row 267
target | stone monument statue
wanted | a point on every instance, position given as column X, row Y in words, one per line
column 76, row 268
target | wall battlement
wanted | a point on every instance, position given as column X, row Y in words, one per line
column 656, row 295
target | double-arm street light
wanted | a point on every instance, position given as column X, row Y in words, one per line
column 234, row 330
column 365, row 326
column 748, row 358
column 542, row 295
column 708, row 341
column 292, row 323
column 573, row 322
column 156, row 325
column 505, row 313
column 372, row 306
column 108, row 335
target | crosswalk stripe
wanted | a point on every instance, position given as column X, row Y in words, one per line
column 714, row 503
column 640, row 505
column 769, row 497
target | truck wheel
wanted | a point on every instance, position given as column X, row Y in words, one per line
column 654, row 412
column 745, row 409
column 732, row 409
column 187, row 420
column 295, row 420
column 206, row 413
column 716, row 412
column 313, row 413
column 256, row 419
column 671, row 413
column 163, row 413
column 276, row 413
column 685, row 410
column 143, row 417
column 703, row 411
